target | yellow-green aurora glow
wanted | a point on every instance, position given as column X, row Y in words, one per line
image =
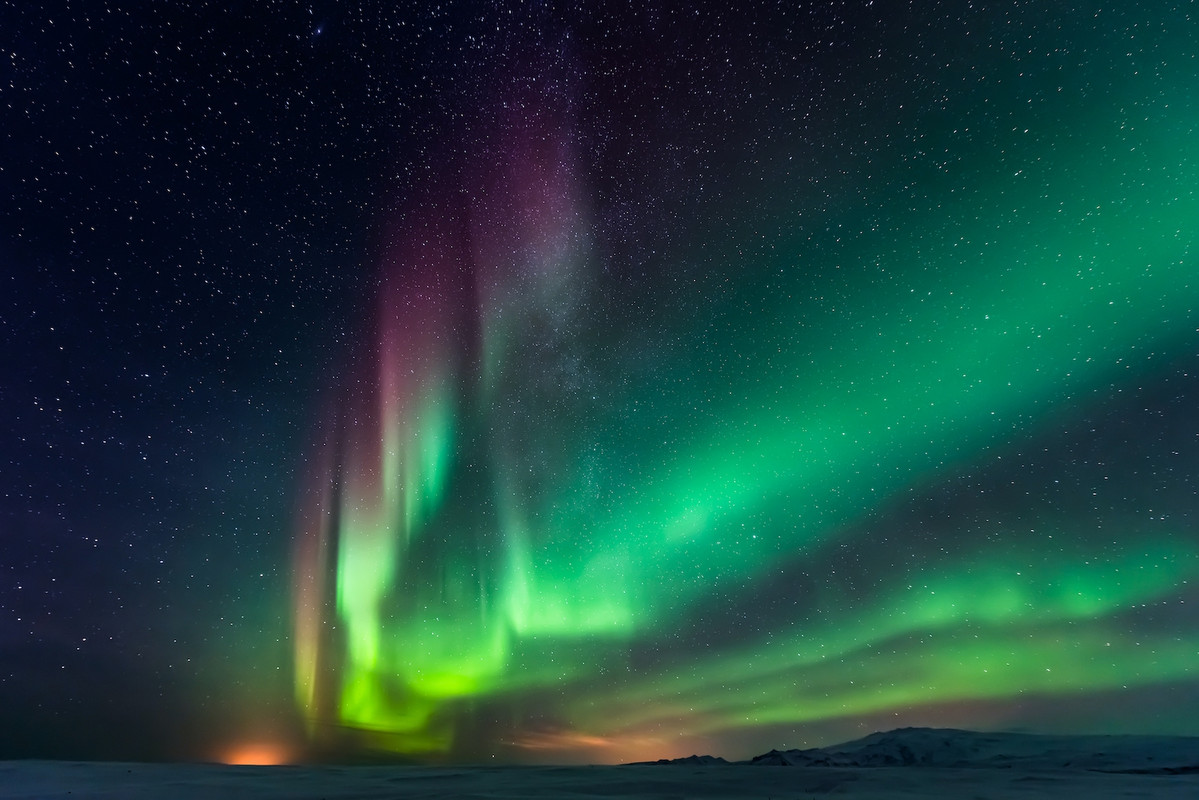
column 870, row 457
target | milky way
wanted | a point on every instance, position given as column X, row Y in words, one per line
column 465, row 381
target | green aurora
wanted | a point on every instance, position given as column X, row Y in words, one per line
column 816, row 468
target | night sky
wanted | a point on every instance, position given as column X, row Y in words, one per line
column 534, row 382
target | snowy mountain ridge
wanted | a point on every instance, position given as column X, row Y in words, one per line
column 948, row 747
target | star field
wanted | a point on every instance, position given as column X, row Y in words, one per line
column 542, row 384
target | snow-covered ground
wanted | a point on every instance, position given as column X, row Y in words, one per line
column 990, row 766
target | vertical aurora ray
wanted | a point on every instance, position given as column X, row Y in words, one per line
column 544, row 521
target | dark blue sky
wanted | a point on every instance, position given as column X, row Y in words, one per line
column 771, row 322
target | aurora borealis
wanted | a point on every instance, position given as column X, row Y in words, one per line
column 799, row 455
column 583, row 384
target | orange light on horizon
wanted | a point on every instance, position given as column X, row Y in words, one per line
column 579, row 747
column 257, row 754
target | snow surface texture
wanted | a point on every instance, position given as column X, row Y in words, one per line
column 931, row 763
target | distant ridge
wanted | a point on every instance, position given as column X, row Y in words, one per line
column 949, row 747
column 685, row 761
